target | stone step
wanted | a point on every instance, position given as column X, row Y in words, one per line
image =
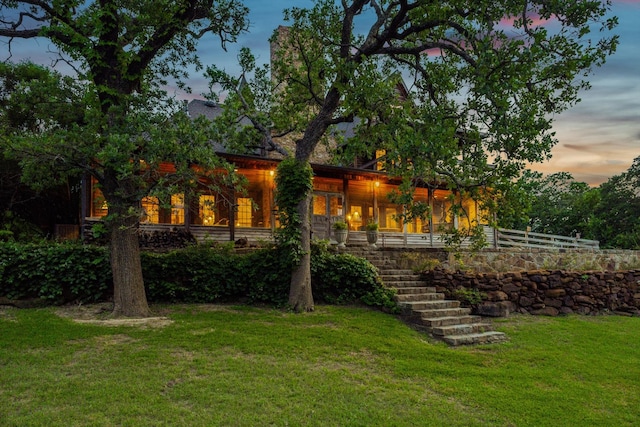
column 420, row 290
column 403, row 284
column 400, row 272
column 413, row 297
column 479, row 338
column 463, row 329
column 433, row 322
column 399, row 278
column 415, row 306
column 441, row 312
column 426, row 309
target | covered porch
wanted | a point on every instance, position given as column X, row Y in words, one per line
column 352, row 195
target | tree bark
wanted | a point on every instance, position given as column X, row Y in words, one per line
column 300, row 295
column 129, row 295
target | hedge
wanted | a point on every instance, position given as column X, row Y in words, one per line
column 73, row 273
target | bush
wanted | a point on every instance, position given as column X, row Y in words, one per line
column 66, row 272
column 55, row 272
column 346, row 279
column 206, row 275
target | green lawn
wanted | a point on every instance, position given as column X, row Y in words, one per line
column 239, row 366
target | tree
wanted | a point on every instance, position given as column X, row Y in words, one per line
column 562, row 205
column 618, row 213
column 487, row 74
column 23, row 210
column 123, row 52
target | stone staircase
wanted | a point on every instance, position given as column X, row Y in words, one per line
column 427, row 310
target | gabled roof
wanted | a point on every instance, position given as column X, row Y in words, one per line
column 199, row 107
column 209, row 109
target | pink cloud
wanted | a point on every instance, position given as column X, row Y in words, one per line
column 536, row 21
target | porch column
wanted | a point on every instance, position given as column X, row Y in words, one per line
column 232, row 215
column 376, row 218
column 430, row 202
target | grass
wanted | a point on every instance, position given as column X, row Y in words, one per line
column 339, row 366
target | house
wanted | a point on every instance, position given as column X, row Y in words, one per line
column 355, row 193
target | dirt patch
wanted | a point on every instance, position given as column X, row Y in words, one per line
column 100, row 314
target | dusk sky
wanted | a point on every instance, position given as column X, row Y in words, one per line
column 598, row 138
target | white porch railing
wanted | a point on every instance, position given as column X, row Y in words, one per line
column 413, row 240
column 526, row 239
column 496, row 238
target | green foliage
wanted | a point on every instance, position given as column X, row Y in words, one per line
column 64, row 273
column 617, row 223
column 557, row 204
column 469, row 297
column 419, row 262
column 207, row 275
column 562, row 206
column 346, row 279
column 479, row 110
column 294, row 182
column 372, row 226
column 339, row 225
column 125, row 125
column 56, row 273
column 12, row 227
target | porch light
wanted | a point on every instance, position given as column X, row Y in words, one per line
column 272, row 173
column 377, row 184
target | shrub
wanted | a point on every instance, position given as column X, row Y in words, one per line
column 55, row 272
column 346, row 279
column 469, row 297
column 339, row 225
column 70, row 272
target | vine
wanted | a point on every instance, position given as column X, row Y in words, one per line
column 294, row 181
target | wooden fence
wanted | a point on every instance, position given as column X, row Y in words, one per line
column 527, row 239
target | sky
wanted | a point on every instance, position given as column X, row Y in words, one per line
column 597, row 138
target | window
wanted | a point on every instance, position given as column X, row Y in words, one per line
column 177, row 209
column 244, row 212
column 319, row 204
column 206, row 209
column 150, row 210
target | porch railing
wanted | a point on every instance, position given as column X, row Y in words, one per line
column 527, row 239
column 496, row 238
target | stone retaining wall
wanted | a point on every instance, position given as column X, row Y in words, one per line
column 515, row 259
column 535, row 281
column 546, row 292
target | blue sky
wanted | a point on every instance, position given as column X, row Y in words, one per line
column 598, row 138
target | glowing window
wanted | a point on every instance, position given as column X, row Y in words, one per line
column 207, row 209
column 244, row 212
column 177, row 209
column 319, row 204
column 150, row 210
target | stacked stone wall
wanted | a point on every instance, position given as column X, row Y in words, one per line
column 535, row 281
column 546, row 292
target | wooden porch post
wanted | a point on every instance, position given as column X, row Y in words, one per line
column 232, row 215
column 376, row 218
column 430, row 201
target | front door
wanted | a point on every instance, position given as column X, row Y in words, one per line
column 327, row 208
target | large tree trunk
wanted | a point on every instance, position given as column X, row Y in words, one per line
column 128, row 286
column 300, row 295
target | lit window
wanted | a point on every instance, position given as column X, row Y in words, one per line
column 177, row 209
column 207, row 209
column 150, row 210
column 319, row 205
column 244, row 212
